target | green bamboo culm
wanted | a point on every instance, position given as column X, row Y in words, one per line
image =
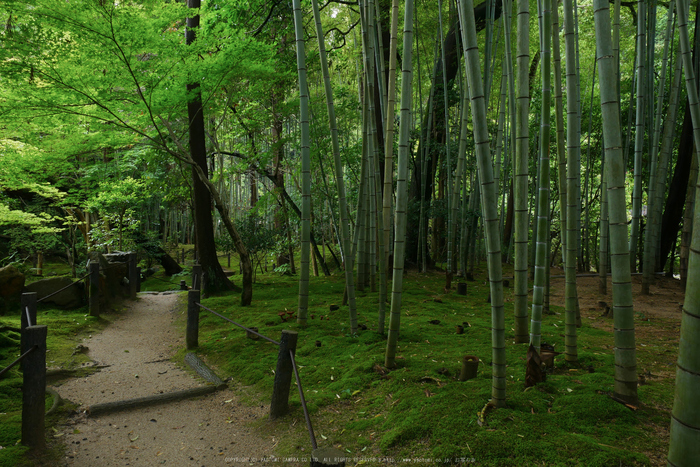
column 684, row 447
column 541, row 251
column 651, row 232
column 625, row 387
column 573, row 173
column 639, row 131
column 401, row 187
column 305, row 167
column 561, row 138
column 489, row 204
column 521, row 173
column 339, row 176
column 389, row 137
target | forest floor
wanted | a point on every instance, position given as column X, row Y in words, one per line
column 136, row 350
column 657, row 320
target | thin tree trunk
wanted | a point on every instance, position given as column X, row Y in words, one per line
column 401, row 187
column 305, row 166
column 521, row 173
column 684, row 447
column 639, row 132
column 542, row 255
column 625, row 386
column 339, row 175
column 489, row 202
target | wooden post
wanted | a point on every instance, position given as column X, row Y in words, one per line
column 183, row 257
column 138, row 279
column 228, row 257
column 197, row 277
column 94, row 288
column 192, row 333
column 133, row 280
column 283, row 375
column 34, row 388
column 203, row 287
column 183, row 285
column 28, row 301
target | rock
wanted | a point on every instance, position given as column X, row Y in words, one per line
column 72, row 297
column 11, row 286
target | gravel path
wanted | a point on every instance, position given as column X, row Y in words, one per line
column 207, row 431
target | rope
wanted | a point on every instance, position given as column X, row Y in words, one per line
column 239, row 325
column 64, row 288
column 21, row 357
column 303, row 402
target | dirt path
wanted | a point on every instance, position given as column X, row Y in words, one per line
column 208, row 431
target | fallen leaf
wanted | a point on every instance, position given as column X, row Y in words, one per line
column 324, row 437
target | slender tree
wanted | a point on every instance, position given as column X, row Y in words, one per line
column 521, row 172
column 572, row 174
column 339, row 175
column 401, row 186
column 542, row 253
column 684, row 448
column 625, row 387
column 639, row 131
column 305, row 166
column 489, row 204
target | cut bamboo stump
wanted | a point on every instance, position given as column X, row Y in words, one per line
column 470, row 365
column 128, row 404
column 462, row 288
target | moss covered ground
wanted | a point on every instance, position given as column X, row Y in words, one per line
column 420, row 410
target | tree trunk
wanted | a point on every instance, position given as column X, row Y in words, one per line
column 625, row 386
column 489, row 204
column 206, row 246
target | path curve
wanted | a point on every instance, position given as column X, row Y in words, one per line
column 206, row 431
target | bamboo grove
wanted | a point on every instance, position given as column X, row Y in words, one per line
column 415, row 135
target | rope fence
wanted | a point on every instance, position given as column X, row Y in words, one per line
column 237, row 324
column 17, row 361
column 286, row 362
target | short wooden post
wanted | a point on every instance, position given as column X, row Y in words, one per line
column 28, row 302
column 228, row 257
column 94, row 298
column 192, row 333
column 183, row 285
column 283, row 375
column 133, row 279
column 183, row 256
column 138, row 279
column 34, row 388
column 197, row 277
column 203, row 287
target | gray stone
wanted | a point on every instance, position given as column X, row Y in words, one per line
column 11, row 286
column 72, row 297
